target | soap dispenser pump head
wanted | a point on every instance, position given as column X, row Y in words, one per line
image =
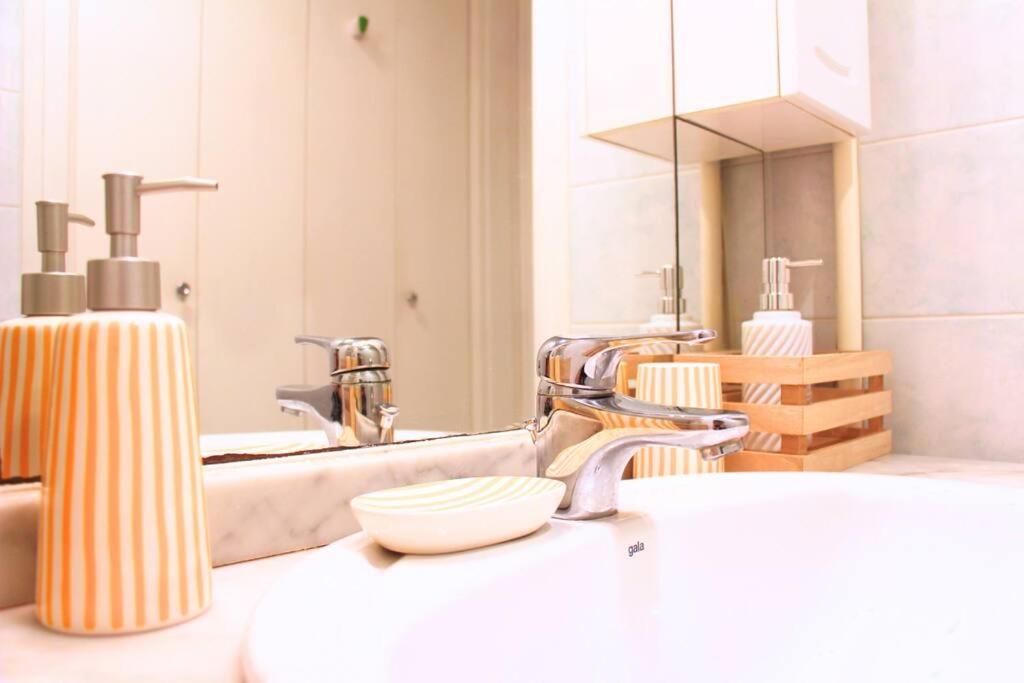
column 775, row 295
column 125, row 282
column 53, row 291
column 671, row 282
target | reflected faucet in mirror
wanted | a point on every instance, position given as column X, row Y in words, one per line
column 354, row 408
column 586, row 433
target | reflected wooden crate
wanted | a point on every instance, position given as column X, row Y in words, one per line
column 832, row 412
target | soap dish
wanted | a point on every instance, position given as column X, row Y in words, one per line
column 457, row 514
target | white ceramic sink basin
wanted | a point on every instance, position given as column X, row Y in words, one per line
column 739, row 577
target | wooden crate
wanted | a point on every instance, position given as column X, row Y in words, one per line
column 832, row 412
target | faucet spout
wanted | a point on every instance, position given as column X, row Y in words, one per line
column 592, row 469
column 320, row 403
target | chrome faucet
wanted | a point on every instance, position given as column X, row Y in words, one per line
column 576, row 399
column 354, row 408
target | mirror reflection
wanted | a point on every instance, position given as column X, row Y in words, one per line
column 361, row 265
column 402, row 212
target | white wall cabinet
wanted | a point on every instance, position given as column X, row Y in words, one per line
column 771, row 74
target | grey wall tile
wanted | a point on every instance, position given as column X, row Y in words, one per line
column 10, row 148
column 10, row 262
column 743, row 234
column 957, row 383
column 944, row 63
column 10, row 44
column 689, row 238
column 824, row 333
column 800, row 219
column 941, row 222
column 618, row 229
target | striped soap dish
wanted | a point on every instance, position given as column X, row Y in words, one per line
column 458, row 514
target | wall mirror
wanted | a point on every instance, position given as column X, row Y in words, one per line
column 737, row 211
column 370, row 186
column 461, row 180
column 753, row 160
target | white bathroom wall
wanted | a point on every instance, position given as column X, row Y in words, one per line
column 344, row 170
column 941, row 211
column 10, row 156
column 602, row 213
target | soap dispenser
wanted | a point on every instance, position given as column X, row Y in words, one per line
column 123, row 542
column 775, row 330
column 26, row 343
column 665, row 319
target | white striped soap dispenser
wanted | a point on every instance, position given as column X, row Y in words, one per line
column 26, row 343
column 775, row 330
column 123, row 544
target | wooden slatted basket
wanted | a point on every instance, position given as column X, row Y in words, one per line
column 832, row 412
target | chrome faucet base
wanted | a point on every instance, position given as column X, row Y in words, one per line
column 583, row 515
column 355, row 408
column 592, row 491
column 576, row 401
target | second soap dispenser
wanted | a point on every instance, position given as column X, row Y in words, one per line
column 775, row 330
column 26, row 343
column 123, row 536
column 666, row 319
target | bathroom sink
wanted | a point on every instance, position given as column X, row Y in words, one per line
column 739, row 577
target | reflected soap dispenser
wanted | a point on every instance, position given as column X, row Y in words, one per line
column 775, row 330
column 26, row 343
column 123, row 542
column 665, row 319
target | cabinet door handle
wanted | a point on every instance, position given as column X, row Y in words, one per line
column 183, row 290
column 831, row 63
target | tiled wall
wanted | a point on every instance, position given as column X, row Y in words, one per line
column 620, row 216
column 943, row 222
column 942, row 219
column 780, row 206
column 10, row 156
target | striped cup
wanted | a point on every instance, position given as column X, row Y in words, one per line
column 691, row 385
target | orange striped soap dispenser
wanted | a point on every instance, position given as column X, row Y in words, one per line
column 123, row 543
column 26, row 343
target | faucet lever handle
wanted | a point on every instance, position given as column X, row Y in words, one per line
column 328, row 344
column 316, row 340
column 350, row 353
column 592, row 362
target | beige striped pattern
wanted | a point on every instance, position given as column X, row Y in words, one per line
column 454, row 494
column 692, row 385
column 778, row 338
column 26, row 359
column 123, row 540
column 573, row 457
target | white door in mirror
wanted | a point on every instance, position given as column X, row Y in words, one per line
column 458, row 514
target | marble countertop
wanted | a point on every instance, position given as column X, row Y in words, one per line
column 203, row 649
column 978, row 471
column 206, row 648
